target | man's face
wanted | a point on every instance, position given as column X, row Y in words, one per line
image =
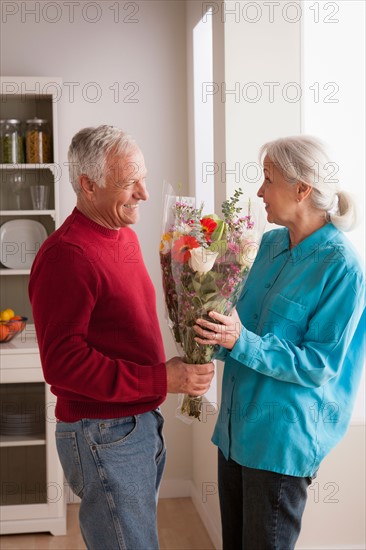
column 117, row 204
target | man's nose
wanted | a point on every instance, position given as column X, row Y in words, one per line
column 141, row 191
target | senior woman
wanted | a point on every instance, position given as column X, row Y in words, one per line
column 293, row 351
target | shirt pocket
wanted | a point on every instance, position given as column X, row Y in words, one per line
column 287, row 319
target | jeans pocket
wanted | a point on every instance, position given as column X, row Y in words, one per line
column 160, row 420
column 69, row 456
column 116, row 431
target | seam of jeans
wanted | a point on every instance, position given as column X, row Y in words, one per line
column 59, row 435
column 277, row 507
column 75, row 446
column 160, row 456
column 110, row 500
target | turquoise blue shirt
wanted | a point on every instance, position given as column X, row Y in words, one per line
column 291, row 379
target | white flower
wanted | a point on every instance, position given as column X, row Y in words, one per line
column 248, row 253
column 202, row 259
column 182, row 228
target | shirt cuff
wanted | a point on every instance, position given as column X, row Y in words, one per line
column 246, row 348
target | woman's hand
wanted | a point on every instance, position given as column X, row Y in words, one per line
column 224, row 334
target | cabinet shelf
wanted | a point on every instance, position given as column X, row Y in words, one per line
column 8, row 271
column 12, row 213
column 22, row 440
column 50, row 166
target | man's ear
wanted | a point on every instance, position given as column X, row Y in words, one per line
column 303, row 190
column 87, row 186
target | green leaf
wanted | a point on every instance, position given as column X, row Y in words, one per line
column 219, row 231
column 208, row 286
column 220, row 247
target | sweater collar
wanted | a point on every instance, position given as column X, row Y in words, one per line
column 85, row 221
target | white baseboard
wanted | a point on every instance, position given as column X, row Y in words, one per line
column 169, row 488
column 175, row 488
column 348, row 547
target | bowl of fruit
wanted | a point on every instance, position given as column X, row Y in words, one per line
column 10, row 325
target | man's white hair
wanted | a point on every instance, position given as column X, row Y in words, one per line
column 89, row 150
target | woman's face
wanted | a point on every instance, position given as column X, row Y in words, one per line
column 279, row 196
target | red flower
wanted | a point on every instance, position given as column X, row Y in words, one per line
column 208, row 225
column 182, row 246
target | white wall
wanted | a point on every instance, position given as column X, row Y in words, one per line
column 112, row 52
column 262, row 61
column 334, row 92
column 334, row 517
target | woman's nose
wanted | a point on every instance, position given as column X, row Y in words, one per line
column 260, row 191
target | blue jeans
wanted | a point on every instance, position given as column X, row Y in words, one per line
column 260, row 510
column 115, row 466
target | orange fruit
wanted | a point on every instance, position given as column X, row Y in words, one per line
column 16, row 323
column 4, row 331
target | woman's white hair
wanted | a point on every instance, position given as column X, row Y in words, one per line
column 89, row 150
column 303, row 159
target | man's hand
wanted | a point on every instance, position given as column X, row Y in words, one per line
column 187, row 378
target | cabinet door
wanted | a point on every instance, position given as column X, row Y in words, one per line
column 32, row 480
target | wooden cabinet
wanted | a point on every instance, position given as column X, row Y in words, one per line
column 32, row 484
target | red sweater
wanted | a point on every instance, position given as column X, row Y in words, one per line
column 97, row 328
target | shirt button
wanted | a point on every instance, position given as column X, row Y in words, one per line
column 267, row 285
column 233, row 378
column 255, row 316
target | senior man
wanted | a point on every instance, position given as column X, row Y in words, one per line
column 101, row 348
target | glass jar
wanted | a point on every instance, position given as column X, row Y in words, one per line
column 38, row 141
column 12, row 142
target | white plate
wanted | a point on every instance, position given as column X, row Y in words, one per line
column 20, row 241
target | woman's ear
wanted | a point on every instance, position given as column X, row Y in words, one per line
column 303, row 191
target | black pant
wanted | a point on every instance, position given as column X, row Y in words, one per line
column 260, row 510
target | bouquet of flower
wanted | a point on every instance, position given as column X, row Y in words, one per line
column 205, row 260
